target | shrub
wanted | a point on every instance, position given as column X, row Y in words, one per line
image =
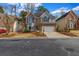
column 3, row 31
column 26, row 30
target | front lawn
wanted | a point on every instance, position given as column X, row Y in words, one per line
column 22, row 35
column 75, row 32
column 69, row 34
column 72, row 33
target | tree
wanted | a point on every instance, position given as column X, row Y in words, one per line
column 1, row 10
column 5, row 19
column 6, row 23
column 30, row 7
column 41, row 9
column 13, row 9
column 23, row 14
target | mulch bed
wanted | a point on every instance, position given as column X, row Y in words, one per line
column 38, row 34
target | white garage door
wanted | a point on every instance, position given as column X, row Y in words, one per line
column 48, row 28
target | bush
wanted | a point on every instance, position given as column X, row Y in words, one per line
column 3, row 31
column 26, row 30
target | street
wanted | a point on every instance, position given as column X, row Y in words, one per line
column 69, row 45
column 30, row 47
column 39, row 47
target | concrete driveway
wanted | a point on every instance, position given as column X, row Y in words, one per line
column 55, row 35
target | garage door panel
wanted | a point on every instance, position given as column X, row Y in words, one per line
column 48, row 28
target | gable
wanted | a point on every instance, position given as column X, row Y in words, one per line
column 73, row 15
column 45, row 14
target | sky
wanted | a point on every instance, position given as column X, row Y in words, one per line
column 53, row 8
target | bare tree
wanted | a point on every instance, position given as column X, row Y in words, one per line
column 14, row 9
column 29, row 7
column 6, row 23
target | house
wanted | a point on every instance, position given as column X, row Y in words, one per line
column 48, row 22
column 41, row 22
column 67, row 22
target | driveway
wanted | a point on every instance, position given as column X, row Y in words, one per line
column 55, row 35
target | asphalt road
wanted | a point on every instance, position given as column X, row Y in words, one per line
column 39, row 47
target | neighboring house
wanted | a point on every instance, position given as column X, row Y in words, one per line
column 7, row 21
column 67, row 22
column 77, row 27
column 2, row 22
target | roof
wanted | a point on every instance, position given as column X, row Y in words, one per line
column 65, row 15
column 62, row 16
column 38, row 14
column 10, row 16
column 52, row 17
column 3, row 20
column 32, row 15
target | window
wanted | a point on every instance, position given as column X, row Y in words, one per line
column 71, row 24
column 46, row 19
column 30, row 21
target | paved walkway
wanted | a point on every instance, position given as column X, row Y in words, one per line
column 55, row 35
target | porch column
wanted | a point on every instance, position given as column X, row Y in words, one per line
column 15, row 26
